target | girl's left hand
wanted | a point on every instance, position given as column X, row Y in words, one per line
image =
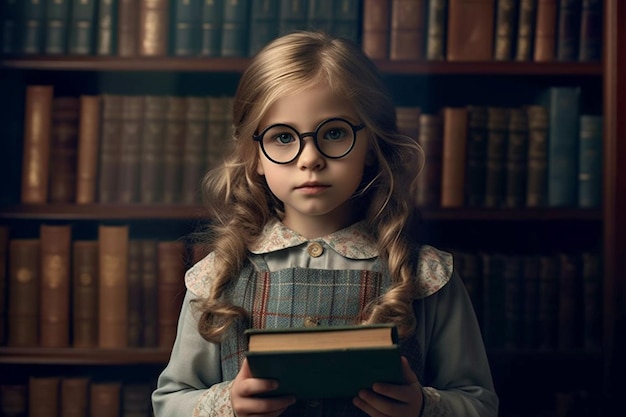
column 389, row 400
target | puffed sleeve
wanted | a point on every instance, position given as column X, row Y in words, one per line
column 457, row 377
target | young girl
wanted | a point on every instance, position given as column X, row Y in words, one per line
column 310, row 226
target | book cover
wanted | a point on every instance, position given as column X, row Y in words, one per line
column 14, row 400
column 149, row 292
column 105, row 399
column 173, row 145
column 211, row 28
column 453, row 156
column 568, row 30
column 130, row 149
column 590, row 43
column 82, row 27
column 506, row 17
column 33, row 27
column 64, row 149
column 54, row 319
column 429, row 179
column 263, row 24
column 110, row 145
column 24, row 286
column 74, row 397
column 406, row 38
column 151, row 157
column 516, row 159
column 10, row 25
column 525, row 35
column 436, row 30
column 153, row 34
column 106, row 27
column 497, row 143
column 170, row 288
column 476, row 162
column 323, row 372
column 127, row 20
column 470, row 34
column 196, row 116
column 235, row 31
column 591, row 271
column 548, row 302
column 43, row 396
column 537, row 163
column 135, row 296
column 590, row 161
column 135, row 401
column 36, row 144
column 85, row 294
column 88, row 149
column 570, row 309
column 186, row 27
column 545, row 31
column 530, row 302
column 218, row 129
column 57, row 22
column 375, row 32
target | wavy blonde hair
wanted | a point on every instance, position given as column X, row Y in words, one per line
column 241, row 203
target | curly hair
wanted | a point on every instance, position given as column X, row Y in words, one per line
column 240, row 202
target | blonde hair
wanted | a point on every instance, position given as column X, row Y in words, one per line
column 241, row 203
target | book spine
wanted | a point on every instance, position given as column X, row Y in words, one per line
column 406, row 40
column 506, row 13
column 33, row 27
column 63, row 149
column 235, row 28
column 453, row 157
column 149, row 273
column 153, row 27
column 4, row 278
column 497, row 121
column 43, row 396
column 74, row 395
column 292, row 16
column 525, row 30
column 211, row 37
column 263, row 24
column 106, row 29
column 590, row 161
column 88, row 147
column 151, row 158
column 85, row 294
column 512, row 275
column 470, row 30
column 110, row 148
column 14, row 399
column 130, row 147
column 545, row 31
column 54, row 319
column 516, row 158
column 319, row 16
column 376, row 23
column 37, row 128
column 171, row 276
column 135, row 400
column 590, row 48
column 345, row 19
column 127, row 27
column 568, row 30
column 530, row 304
column 436, row 30
column 135, row 296
column 105, row 399
column 186, row 27
column 429, row 180
column 12, row 19
column 592, row 300
column 112, row 286
column 57, row 19
column 476, row 156
column 193, row 151
column 494, row 301
column 570, row 308
column 537, row 165
column 24, row 285
column 174, row 142
column 548, row 302
column 83, row 25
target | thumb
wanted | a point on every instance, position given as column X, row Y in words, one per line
column 244, row 371
column 409, row 375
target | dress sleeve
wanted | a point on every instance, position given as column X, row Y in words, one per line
column 458, row 379
column 191, row 384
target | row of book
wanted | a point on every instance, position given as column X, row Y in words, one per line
column 167, row 27
column 454, row 30
column 484, row 30
column 536, row 302
column 498, row 157
column 120, row 148
column 109, row 292
column 61, row 396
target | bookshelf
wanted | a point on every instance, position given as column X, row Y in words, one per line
column 425, row 83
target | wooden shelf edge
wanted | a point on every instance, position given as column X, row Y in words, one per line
column 75, row 356
column 238, row 65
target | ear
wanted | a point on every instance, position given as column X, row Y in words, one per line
column 259, row 167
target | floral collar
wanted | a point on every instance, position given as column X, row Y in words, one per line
column 353, row 242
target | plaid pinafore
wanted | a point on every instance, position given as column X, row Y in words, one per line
column 296, row 297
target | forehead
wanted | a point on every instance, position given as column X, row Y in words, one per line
column 306, row 108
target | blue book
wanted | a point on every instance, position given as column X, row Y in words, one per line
column 590, row 161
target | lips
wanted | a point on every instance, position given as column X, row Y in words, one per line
column 312, row 187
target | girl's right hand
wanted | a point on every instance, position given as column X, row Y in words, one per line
column 244, row 389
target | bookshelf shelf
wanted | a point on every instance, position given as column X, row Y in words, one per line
column 186, row 212
column 237, row 65
column 74, row 356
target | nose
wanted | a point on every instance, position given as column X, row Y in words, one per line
column 310, row 157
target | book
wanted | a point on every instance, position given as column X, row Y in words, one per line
column 82, row 27
column 106, row 27
column 173, row 145
column 85, row 293
column 476, row 162
column 113, row 286
column 88, row 149
column 591, row 271
column 105, row 399
column 537, row 163
column 43, row 396
column 530, row 302
column 429, row 180
column 235, row 31
column 74, row 397
column 130, row 149
column 453, row 156
column 4, row 262
column 325, row 361
column 590, row 43
column 170, row 289
column 57, row 22
column 135, row 401
column 151, row 158
column 127, row 20
column 345, row 19
column 10, row 26
column 36, row 144
column 319, row 16
column 512, row 275
column 590, row 161
column 63, row 149
column 54, row 321
column 33, row 26
column 263, row 24
column 497, row 141
column 13, row 400
column 186, row 27
column 470, row 34
column 548, row 302
column 516, row 159
column 525, row 30
column 135, row 296
column 211, row 28
column 375, row 28
column 152, row 37
column 109, row 161
column 506, row 14
column 436, row 30
column 292, row 17
column 545, row 30
column 568, row 30
column 193, row 149
column 149, row 292
column 407, row 30
column 570, row 308
column 24, row 278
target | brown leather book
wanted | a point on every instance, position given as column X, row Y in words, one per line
column 497, row 139
column 136, row 400
column 429, row 179
column 476, row 156
column 545, row 30
column 135, row 294
column 149, row 281
column 151, row 158
column 43, row 396
column 130, row 148
column 436, row 30
column 219, row 134
column 128, row 27
column 525, row 30
column 64, row 149
column 4, row 263
column 24, row 279
column 74, row 397
column 113, row 286
column 375, row 28
column 85, row 294
column 55, row 241
column 516, row 159
column 88, row 147
column 36, row 144
column 537, row 165
column 14, row 400
column 171, row 288
column 153, row 27
column 174, row 142
column 408, row 120
column 110, row 146
column 407, row 30
column 470, row 30
column 193, row 152
column 105, row 399
column 506, row 14
column 453, row 156
column 568, row 30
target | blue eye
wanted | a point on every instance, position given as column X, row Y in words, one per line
column 335, row 133
column 284, row 138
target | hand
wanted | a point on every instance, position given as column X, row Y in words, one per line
column 391, row 400
column 244, row 389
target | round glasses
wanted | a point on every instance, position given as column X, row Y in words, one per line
column 282, row 144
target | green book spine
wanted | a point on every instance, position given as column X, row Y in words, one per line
column 33, row 29
column 211, row 27
column 263, row 24
column 106, row 28
column 235, row 28
column 346, row 18
column 590, row 161
column 11, row 20
column 186, row 30
column 82, row 30
column 57, row 16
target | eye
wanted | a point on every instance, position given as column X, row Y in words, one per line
column 283, row 138
column 335, row 133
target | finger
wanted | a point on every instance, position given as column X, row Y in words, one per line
column 406, row 393
column 361, row 403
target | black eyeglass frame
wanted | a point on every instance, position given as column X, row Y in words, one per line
column 313, row 134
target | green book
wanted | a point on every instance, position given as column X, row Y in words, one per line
column 325, row 361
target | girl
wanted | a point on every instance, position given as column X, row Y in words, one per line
column 311, row 216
